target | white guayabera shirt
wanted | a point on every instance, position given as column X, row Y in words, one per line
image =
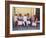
column 24, row 20
column 28, row 21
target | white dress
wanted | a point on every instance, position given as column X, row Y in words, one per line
column 33, row 24
column 20, row 22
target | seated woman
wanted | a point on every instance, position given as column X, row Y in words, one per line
column 20, row 19
column 33, row 20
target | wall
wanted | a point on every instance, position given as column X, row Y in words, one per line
column 2, row 20
column 24, row 11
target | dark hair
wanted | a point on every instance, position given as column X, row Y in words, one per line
column 15, row 14
column 20, row 15
column 25, row 15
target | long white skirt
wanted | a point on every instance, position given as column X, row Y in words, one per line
column 28, row 22
column 33, row 24
column 20, row 22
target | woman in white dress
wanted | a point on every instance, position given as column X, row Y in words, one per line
column 36, row 21
column 20, row 20
column 33, row 20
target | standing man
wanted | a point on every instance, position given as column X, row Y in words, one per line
column 24, row 20
column 28, row 19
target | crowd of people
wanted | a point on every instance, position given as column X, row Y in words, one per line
column 25, row 20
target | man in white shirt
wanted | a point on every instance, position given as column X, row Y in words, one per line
column 24, row 20
column 28, row 19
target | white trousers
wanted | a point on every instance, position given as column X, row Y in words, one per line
column 28, row 22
